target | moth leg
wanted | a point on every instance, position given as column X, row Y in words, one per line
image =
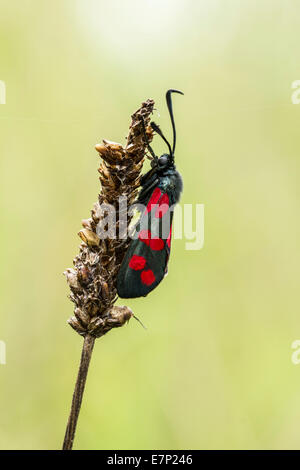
column 149, row 182
column 147, row 176
column 146, row 191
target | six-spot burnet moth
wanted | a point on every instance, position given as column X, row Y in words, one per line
column 145, row 262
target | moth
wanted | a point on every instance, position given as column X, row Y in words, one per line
column 146, row 260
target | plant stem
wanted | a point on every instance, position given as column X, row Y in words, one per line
column 86, row 355
column 93, row 279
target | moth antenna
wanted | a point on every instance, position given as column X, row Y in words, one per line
column 170, row 108
column 137, row 319
column 158, row 130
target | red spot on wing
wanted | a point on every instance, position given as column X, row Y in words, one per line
column 156, row 244
column 154, row 199
column 147, row 277
column 137, row 262
column 163, row 206
column 145, row 236
column 169, row 237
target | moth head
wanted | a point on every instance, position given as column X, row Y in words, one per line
column 164, row 161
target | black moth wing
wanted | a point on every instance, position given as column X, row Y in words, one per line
column 145, row 263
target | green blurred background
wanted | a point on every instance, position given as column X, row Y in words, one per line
column 214, row 368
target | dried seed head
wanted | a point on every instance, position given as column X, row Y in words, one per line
column 89, row 237
column 118, row 316
column 72, row 279
column 93, row 279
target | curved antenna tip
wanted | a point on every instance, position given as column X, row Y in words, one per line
column 170, row 107
column 174, row 91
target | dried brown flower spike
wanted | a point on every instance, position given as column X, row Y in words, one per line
column 92, row 281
